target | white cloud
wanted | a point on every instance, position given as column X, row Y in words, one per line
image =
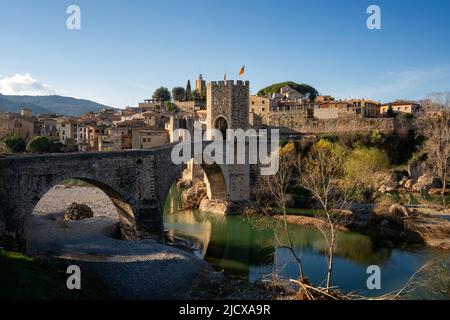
column 25, row 84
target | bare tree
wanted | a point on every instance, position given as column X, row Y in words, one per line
column 321, row 173
column 436, row 129
column 273, row 192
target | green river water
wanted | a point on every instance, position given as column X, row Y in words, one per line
column 247, row 247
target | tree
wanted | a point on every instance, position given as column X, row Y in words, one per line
column 321, row 173
column 162, row 94
column 42, row 145
column 362, row 167
column 179, row 94
column 390, row 112
column 4, row 149
column 15, row 143
column 188, row 91
column 273, row 191
column 170, row 106
column 436, row 130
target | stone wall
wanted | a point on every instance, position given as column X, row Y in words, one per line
column 297, row 121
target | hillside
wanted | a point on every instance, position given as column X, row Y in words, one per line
column 49, row 104
column 302, row 88
column 7, row 105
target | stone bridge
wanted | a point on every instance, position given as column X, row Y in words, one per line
column 137, row 181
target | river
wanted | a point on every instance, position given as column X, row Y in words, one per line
column 249, row 248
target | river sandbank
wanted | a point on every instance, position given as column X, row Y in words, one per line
column 128, row 269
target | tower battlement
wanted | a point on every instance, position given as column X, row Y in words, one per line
column 227, row 104
column 229, row 83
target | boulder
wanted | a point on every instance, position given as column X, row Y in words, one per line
column 386, row 189
column 186, row 180
column 438, row 192
column 398, row 211
column 184, row 183
column 220, row 207
column 193, row 196
column 409, row 184
column 77, row 211
column 417, row 168
column 391, row 182
column 427, row 182
column 403, row 182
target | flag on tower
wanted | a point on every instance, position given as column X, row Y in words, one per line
column 242, row 71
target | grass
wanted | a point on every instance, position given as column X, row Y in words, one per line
column 75, row 183
column 26, row 278
column 304, row 212
column 410, row 198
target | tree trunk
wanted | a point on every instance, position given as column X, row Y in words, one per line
column 330, row 268
column 444, row 189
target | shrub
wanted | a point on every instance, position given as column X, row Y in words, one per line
column 15, row 143
column 363, row 165
column 4, row 149
column 42, row 145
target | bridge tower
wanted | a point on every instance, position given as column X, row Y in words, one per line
column 227, row 108
column 227, row 105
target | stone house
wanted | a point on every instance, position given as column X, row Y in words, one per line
column 146, row 138
column 366, row 108
column 260, row 105
column 13, row 123
column 400, row 106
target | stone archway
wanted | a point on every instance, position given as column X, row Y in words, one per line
column 221, row 124
column 216, row 185
column 126, row 216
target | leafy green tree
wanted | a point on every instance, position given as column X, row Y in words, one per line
column 365, row 166
column 4, row 149
column 170, row 106
column 304, row 89
column 15, row 143
column 162, row 94
column 42, row 145
column 179, row 94
column 196, row 96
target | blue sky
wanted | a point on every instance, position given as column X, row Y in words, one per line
column 126, row 49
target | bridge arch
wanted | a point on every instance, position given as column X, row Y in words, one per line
column 215, row 177
column 126, row 215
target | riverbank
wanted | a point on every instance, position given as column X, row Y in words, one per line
column 420, row 225
column 27, row 278
column 127, row 269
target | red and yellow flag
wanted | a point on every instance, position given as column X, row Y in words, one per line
column 242, row 71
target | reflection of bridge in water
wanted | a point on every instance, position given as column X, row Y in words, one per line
column 252, row 247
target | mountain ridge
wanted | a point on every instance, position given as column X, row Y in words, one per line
column 61, row 105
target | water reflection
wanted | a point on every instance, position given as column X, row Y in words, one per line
column 251, row 248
